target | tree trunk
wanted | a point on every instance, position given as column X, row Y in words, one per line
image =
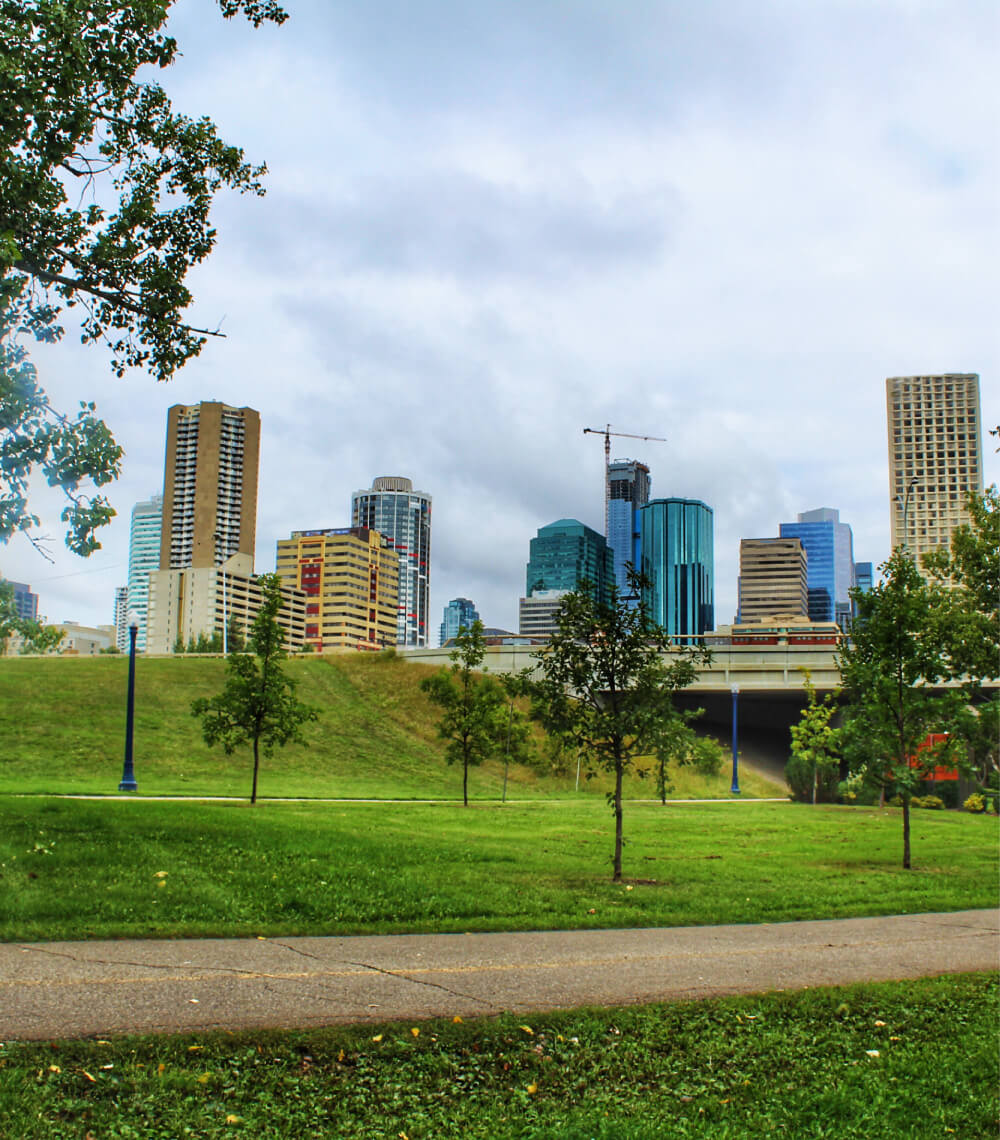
column 815, row 780
column 465, row 780
column 906, row 832
column 256, row 767
column 617, row 876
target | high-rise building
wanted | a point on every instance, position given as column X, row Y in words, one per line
column 350, row 578
column 536, row 616
column 209, row 485
column 864, row 580
column 678, row 561
column 829, row 547
column 935, row 456
column 121, row 618
column 143, row 556
column 565, row 553
column 25, row 602
column 628, row 492
column 772, row 579
column 458, row 614
column 393, row 508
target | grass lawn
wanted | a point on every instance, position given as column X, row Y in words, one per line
column 74, row 869
column 902, row 1059
column 62, row 723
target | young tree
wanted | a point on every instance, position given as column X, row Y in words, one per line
column 681, row 745
column 607, row 678
column 889, row 667
column 475, row 714
column 258, row 704
column 813, row 764
column 36, row 637
column 74, row 119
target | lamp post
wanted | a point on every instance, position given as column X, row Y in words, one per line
column 735, row 788
column 128, row 783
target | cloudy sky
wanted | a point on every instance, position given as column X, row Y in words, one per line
column 493, row 223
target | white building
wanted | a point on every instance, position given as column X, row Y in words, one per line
column 536, row 616
column 143, row 556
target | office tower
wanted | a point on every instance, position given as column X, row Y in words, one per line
column 536, row 616
column 25, row 602
column 458, row 614
column 393, row 508
column 678, row 561
column 143, row 556
column 565, row 553
column 935, row 456
column 864, row 576
column 209, row 485
column 121, row 618
column 628, row 492
column 829, row 547
column 772, row 579
column 350, row 578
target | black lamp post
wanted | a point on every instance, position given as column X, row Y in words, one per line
column 128, row 783
column 735, row 789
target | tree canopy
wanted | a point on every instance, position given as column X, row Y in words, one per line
column 105, row 195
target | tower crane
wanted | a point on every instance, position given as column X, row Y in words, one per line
column 608, row 433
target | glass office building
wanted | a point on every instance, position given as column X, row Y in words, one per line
column 458, row 614
column 678, row 559
column 565, row 553
column 628, row 492
column 829, row 547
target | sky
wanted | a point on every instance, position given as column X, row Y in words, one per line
column 490, row 225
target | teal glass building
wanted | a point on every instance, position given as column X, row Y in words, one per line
column 677, row 539
column 628, row 493
column 829, row 547
column 565, row 553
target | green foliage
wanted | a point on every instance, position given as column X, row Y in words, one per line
column 787, row 1064
column 931, row 803
column 681, row 746
column 895, row 655
column 975, row 803
column 258, row 704
column 477, row 720
column 812, row 768
column 608, row 675
column 35, row 636
column 75, row 117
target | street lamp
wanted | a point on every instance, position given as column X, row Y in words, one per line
column 735, row 789
column 128, row 783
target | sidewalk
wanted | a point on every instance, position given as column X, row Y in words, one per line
column 80, row 989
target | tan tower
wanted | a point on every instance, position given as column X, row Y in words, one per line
column 209, row 485
column 935, row 456
column 772, row 579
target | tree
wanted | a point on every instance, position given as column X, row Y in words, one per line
column 813, row 765
column 35, row 636
column 607, row 678
column 78, row 129
column 258, row 704
column 681, row 745
column 475, row 715
column 889, row 667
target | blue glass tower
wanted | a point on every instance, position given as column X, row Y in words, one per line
column 628, row 492
column 458, row 614
column 565, row 553
column 829, row 547
column 678, row 559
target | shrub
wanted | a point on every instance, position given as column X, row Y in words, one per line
column 934, row 803
column 975, row 802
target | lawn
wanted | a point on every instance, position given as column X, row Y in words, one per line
column 873, row 1062
column 89, row 869
column 62, row 723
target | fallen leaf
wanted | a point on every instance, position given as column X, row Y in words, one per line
column 415, row 1031
column 880, row 1024
column 195, row 1048
column 456, row 1020
column 872, row 1053
column 192, row 1001
column 93, row 1080
column 532, row 1089
column 160, row 875
column 232, row 1118
column 54, row 1069
column 340, row 1056
column 377, row 1037
column 203, row 1079
column 162, row 883
column 161, row 1068
column 527, row 1029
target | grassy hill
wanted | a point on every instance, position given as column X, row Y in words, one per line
column 62, row 730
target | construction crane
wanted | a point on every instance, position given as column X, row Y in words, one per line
column 608, row 433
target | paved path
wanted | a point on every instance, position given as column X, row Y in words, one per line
column 66, row 989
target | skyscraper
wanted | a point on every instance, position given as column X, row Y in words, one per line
column 209, row 485
column 829, row 547
column 393, row 508
column 678, row 561
column 935, row 456
column 143, row 556
column 772, row 579
column 628, row 492
column 565, row 553
column 459, row 613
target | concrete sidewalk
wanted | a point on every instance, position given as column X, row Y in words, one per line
column 50, row 990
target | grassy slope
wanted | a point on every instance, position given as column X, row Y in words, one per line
column 89, row 869
column 62, row 727
column 874, row 1062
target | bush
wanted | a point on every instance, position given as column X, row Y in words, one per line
column 934, row 803
column 799, row 774
column 975, row 802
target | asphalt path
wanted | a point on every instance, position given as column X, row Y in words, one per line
column 81, row 989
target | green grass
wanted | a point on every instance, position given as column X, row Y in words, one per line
column 87, row 869
column 902, row 1059
column 62, row 723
